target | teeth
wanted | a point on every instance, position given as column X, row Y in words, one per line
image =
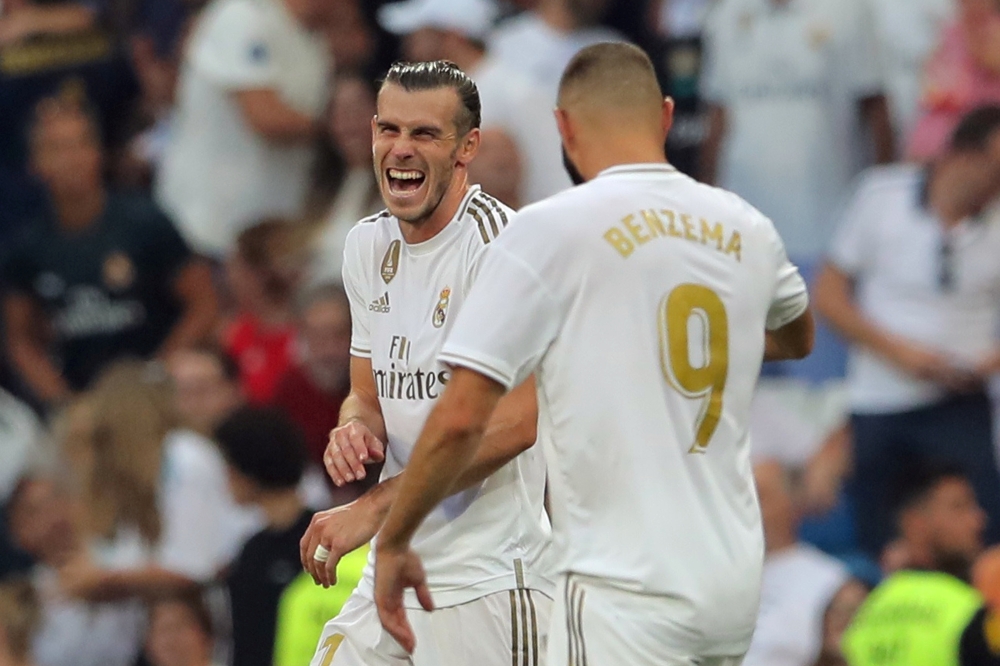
column 405, row 175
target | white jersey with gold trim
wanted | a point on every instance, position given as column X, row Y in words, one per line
column 640, row 301
column 404, row 299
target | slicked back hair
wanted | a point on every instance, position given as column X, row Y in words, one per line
column 415, row 76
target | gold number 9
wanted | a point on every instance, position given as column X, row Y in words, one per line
column 707, row 382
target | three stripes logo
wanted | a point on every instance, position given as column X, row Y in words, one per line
column 380, row 304
column 488, row 214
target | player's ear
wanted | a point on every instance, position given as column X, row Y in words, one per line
column 469, row 146
column 374, row 128
column 667, row 120
column 565, row 126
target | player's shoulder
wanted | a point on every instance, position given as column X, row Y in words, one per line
column 485, row 216
column 368, row 228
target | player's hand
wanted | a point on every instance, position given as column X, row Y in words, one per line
column 930, row 365
column 396, row 570
column 339, row 530
column 351, row 447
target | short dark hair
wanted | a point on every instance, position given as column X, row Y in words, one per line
column 70, row 100
column 918, row 481
column 265, row 445
column 975, row 129
column 193, row 600
column 413, row 76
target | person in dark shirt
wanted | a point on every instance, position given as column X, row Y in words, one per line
column 101, row 275
column 265, row 454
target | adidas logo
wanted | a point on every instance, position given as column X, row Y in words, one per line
column 380, row 304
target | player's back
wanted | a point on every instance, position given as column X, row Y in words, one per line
column 666, row 287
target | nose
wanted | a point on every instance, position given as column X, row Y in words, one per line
column 402, row 148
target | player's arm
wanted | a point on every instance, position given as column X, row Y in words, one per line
column 792, row 341
column 511, row 431
column 27, row 352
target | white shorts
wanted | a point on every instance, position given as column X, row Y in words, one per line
column 595, row 623
column 503, row 629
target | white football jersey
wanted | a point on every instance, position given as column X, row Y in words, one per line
column 640, row 301
column 404, row 299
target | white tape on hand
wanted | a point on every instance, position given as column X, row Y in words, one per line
column 321, row 554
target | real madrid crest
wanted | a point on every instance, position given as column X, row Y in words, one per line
column 441, row 310
column 118, row 271
column 390, row 262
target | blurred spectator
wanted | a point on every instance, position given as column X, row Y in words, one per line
column 540, row 42
column 917, row 615
column 206, row 387
column 962, row 74
column 18, row 622
column 907, row 32
column 306, row 607
column 48, row 46
column 101, row 276
column 788, row 83
column 158, row 515
column 519, row 159
column 24, row 442
column 180, row 631
column 352, row 37
column 312, row 390
column 912, row 284
column 680, row 18
column 837, row 618
column 352, row 194
column 72, row 632
column 252, row 89
column 262, row 281
column 980, row 644
column 265, row 456
column 799, row 584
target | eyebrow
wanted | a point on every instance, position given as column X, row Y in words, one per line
column 432, row 130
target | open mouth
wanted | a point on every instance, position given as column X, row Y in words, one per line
column 404, row 181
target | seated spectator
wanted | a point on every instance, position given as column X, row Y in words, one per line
column 106, row 274
column 963, row 74
column 911, row 284
column 157, row 514
column 265, row 456
column 18, row 622
column 312, row 390
column 180, row 631
column 800, row 583
column 917, row 615
column 519, row 160
column 261, row 336
column 353, row 193
column 48, row 47
column 206, row 387
column 252, row 89
column 72, row 632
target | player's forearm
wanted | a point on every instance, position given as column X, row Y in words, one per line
column 365, row 410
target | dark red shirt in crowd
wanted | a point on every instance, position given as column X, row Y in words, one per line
column 263, row 355
column 314, row 410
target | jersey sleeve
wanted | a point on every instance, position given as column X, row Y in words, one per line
column 233, row 49
column 511, row 316
column 791, row 296
column 852, row 245
column 357, row 288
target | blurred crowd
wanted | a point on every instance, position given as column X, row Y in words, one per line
column 177, row 179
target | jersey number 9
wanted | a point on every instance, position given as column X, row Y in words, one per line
column 707, row 381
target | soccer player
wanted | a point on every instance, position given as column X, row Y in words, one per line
column 407, row 272
column 644, row 303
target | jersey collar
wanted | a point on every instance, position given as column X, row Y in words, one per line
column 649, row 168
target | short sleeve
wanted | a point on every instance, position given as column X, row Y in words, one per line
column 791, row 296
column 510, row 317
column 356, row 286
column 852, row 244
column 233, row 48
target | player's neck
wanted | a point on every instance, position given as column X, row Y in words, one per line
column 442, row 215
column 619, row 152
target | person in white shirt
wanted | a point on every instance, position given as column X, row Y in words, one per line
column 252, row 87
column 787, row 83
column 512, row 103
column 540, row 43
column 643, row 302
column 800, row 582
column 913, row 283
column 407, row 273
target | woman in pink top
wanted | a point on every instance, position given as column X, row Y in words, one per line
column 963, row 73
